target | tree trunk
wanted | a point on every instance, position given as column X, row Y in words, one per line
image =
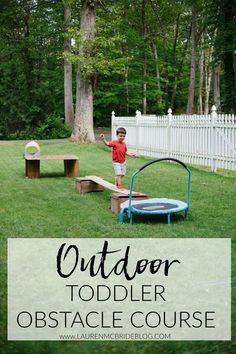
column 127, row 88
column 145, row 58
column 26, row 53
column 208, row 76
column 216, row 88
column 145, row 85
column 176, row 30
column 228, row 55
column 154, row 49
column 83, row 125
column 200, row 83
column 190, row 106
column 180, row 66
column 68, row 95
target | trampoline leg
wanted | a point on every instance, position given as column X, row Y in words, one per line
column 121, row 217
column 168, row 215
column 186, row 213
column 130, row 218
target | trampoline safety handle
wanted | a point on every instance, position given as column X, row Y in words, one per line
column 163, row 159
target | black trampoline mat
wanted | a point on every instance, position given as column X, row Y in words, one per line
column 155, row 206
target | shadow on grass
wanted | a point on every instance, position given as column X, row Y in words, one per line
column 50, row 175
column 157, row 219
column 53, row 174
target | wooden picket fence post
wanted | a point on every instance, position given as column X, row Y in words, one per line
column 138, row 116
column 169, row 132
column 213, row 138
column 112, row 124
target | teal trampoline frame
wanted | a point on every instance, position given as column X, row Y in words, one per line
column 179, row 206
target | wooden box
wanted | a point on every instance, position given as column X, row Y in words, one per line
column 84, row 185
column 118, row 198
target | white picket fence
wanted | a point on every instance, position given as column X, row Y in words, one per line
column 208, row 140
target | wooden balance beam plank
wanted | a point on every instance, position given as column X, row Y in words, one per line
column 108, row 185
column 97, row 184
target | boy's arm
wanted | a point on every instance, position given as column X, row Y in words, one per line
column 102, row 136
column 131, row 154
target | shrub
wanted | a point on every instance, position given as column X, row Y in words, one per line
column 52, row 128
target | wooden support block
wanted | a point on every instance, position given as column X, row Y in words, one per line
column 71, row 168
column 118, row 198
column 84, row 185
column 32, row 168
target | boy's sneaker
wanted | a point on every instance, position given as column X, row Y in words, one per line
column 119, row 186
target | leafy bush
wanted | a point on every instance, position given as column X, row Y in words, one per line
column 52, row 128
column 17, row 135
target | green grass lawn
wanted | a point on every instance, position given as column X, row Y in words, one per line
column 50, row 207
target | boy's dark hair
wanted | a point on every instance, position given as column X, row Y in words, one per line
column 120, row 130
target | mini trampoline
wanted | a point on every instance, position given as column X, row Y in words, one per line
column 155, row 206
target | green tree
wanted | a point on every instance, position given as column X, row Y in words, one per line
column 31, row 83
column 68, row 84
column 225, row 27
column 96, row 52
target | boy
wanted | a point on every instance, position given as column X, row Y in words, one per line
column 119, row 152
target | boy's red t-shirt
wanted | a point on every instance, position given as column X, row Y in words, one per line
column 119, row 149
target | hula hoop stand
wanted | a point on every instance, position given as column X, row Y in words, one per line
column 32, row 149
